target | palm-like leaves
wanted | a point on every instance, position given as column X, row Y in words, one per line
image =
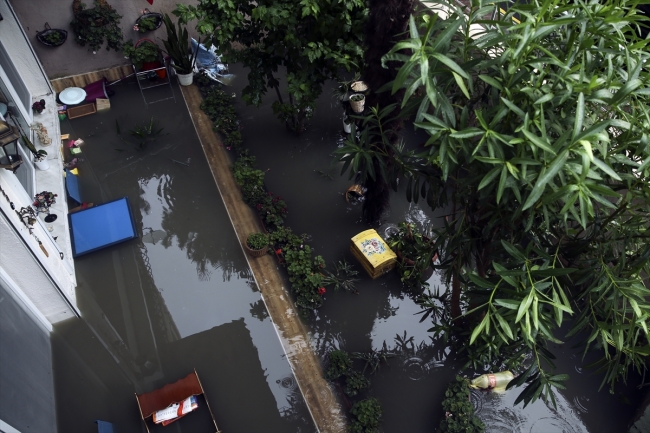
column 177, row 46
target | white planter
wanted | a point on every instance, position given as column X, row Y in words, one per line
column 347, row 127
column 185, row 79
column 357, row 106
column 42, row 165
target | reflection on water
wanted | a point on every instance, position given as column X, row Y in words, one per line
column 411, row 386
column 179, row 297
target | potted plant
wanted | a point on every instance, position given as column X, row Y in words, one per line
column 96, row 25
column 148, row 21
column 144, row 54
column 43, row 201
column 39, row 155
column 257, row 244
column 39, row 106
column 357, row 102
column 177, row 46
column 52, row 37
column 416, row 252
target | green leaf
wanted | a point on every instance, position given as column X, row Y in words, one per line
column 481, row 282
column 545, row 176
column 450, row 64
column 606, row 168
column 504, row 326
column 461, row 84
column 580, row 114
column 479, row 328
column 523, row 307
column 510, row 304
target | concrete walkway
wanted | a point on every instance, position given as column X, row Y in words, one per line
column 322, row 403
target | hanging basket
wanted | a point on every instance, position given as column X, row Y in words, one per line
column 357, row 105
column 45, row 36
column 158, row 19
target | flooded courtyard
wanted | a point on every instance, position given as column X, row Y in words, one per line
column 182, row 295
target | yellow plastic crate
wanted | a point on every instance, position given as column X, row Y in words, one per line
column 373, row 253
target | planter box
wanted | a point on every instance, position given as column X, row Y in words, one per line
column 373, row 253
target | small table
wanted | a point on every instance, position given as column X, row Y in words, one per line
column 72, row 95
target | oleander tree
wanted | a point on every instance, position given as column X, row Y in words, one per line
column 539, row 147
column 308, row 41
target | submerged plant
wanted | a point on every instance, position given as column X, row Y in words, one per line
column 374, row 358
column 340, row 364
column 366, row 416
column 459, row 410
column 342, row 277
column 146, row 133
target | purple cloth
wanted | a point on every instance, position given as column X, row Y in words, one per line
column 96, row 90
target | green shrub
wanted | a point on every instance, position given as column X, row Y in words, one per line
column 257, row 241
column 339, row 364
column 366, row 416
column 355, row 382
column 459, row 411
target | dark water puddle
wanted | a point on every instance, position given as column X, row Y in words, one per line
column 180, row 297
column 411, row 387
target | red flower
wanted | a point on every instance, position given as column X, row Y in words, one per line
column 278, row 251
column 321, row 290
column 258, row 206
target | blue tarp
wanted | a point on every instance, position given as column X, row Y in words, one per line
column 208, row 61
column 101, row 226
column 72, row 185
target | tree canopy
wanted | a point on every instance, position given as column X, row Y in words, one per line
column 308, row 40
column 538, row 145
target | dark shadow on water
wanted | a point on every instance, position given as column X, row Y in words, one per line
column 177, row 298
column 411, row 387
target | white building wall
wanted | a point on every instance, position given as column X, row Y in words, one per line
column 21, row 52
column 50, row 282
column 43, row 274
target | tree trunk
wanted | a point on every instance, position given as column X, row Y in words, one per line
column 387, row 19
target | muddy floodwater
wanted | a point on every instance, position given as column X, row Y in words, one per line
column 182, row 296
column 410, row 387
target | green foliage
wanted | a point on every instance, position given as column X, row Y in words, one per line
column 218, row 106
column 309, row 40
column 416, row 251
column 539, row 146
column 374, row 358
column 53, row 37
column 459, row 411
column 366, row 416
column 145, row 133
column 355, row 382
column 257, row 241
column 303, row 267
column 177, row 46
column 39, row 155
column 144, row 52
column 339, row 364
column 96, row 25
column 147, row 23
column 342, row 277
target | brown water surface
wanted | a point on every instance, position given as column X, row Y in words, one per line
column 180, row 297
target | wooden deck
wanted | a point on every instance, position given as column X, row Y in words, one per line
column 322, row 403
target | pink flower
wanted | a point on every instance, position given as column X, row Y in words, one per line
column 321, row 291
column 135, row 27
